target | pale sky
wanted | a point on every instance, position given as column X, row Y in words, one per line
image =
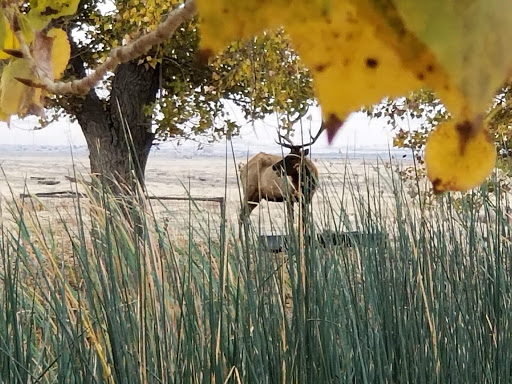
column 358, row 131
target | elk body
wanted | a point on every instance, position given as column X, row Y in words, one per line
column 274, row 178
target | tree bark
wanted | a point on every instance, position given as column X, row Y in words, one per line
column 119, row 152
column 117, row 130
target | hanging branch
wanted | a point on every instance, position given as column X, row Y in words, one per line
column 119, row 55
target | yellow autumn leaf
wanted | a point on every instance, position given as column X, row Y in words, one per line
column 459, row 156
column 351, row 67
column 414, row 53
column 5, row 117
column 43, row 11
column 355, row 57
column 9, row 41
column 3, row 32
column 470, row 39
column 15, row 96
column 27, row 29
column 61, row 51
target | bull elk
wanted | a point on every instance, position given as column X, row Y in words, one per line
column 277, row 179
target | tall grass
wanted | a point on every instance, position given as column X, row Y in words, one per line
column 99, row 301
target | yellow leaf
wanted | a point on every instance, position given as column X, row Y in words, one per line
column 43, row 11
column 355, row 57
column 3, row 30
column 27, row 29
column 398, row 142
column 360, row 51
column 459, row 156
column 351, row 67
column 470, row 39
column 15, row 96
column 414, row 54
column 4, row 116
column 61, row 51
column 10, row 41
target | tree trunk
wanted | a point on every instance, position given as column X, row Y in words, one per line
column 117, row 131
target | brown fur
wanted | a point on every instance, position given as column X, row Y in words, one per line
column 263, row 178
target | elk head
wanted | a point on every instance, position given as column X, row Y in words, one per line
column 290, row 163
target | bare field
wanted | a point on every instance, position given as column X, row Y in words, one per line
column 195, row 177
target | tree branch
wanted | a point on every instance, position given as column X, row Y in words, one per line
column 119, row 55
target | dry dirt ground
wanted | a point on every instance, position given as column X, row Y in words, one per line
column 344, row 187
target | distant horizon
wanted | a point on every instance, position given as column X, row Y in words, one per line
column 358, row 133
column 212, row 152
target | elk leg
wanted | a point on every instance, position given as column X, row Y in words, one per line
column 245, row 211
column 252, row 206
column 289, row 210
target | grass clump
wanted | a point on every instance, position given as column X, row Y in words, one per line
column 114, row 298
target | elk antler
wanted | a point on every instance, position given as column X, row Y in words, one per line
column 284, row 138
column 289, row 144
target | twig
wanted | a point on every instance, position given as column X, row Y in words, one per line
column 78, row 181
column 53, row 194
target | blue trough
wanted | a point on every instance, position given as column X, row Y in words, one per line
column 279, row 243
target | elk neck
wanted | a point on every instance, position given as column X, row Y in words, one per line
column 303, row 178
